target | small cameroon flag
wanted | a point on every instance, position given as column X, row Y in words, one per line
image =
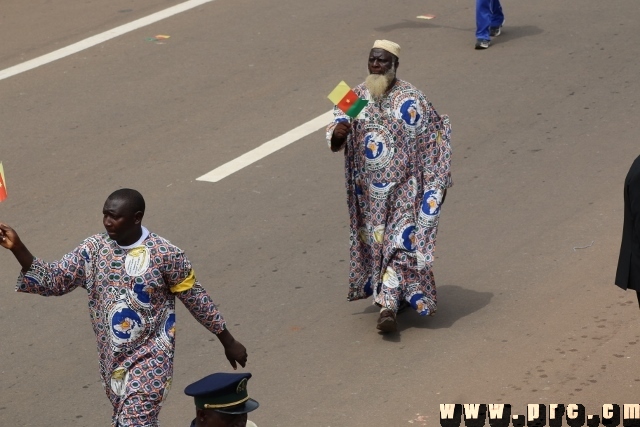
column 347, row 100
column 3, row 186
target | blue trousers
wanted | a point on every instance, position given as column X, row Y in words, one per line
column 488, row 14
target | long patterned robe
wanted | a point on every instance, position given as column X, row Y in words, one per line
column 131, row 295
column 397, row 167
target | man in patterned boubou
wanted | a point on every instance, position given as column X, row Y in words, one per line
column 397, row 170
column 131, row 277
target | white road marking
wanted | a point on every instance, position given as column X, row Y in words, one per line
column 100, row 38
column 218, row 173
column 267, row 148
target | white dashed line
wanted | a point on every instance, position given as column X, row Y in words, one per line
column 218, row 173
column 100, row 38
column 267, row 148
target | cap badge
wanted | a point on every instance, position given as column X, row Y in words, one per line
column 242, row 386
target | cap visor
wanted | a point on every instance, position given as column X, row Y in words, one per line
column 248, row 406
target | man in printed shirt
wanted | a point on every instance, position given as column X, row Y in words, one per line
column 397, row 170
column 131, row 277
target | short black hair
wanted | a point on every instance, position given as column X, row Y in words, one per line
column 133, row 199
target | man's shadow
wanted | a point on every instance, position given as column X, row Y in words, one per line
column 508, row 32
column 511, row 33
column 454, row 303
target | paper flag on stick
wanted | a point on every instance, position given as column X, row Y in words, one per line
column 347, row 100
column 3, row 185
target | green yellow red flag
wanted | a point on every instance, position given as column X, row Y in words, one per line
column 3, row 185
column 347, row 100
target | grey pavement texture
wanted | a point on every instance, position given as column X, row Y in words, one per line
column 544, row 129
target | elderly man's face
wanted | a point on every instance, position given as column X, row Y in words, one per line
column 380, row 61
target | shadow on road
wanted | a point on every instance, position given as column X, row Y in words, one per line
column 407, row 24
column 509, row 32
column 454, row 303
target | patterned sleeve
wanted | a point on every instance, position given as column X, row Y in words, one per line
column 182, row 281
column 437, row 149
column 56, row 278
column 338, row 116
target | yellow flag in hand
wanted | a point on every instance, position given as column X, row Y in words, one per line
column 347, row 100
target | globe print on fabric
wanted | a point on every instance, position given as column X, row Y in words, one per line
column 408, row 238
column 374, row 147
column 378, row 147
column 131, row 298
column 397, row 166
column 142, row 292
column 430, row 208
column 168, row 331
column 126, row 325
column 380, row 190
column 410, row 113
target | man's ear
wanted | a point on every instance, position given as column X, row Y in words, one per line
column 138, row 217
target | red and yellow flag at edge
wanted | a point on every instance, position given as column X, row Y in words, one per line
column 347, row 100
column 3, row 185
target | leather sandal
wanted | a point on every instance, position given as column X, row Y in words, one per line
column 387, row 321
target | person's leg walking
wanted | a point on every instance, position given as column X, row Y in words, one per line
column 388, row 298
column 483, row 19
column 497, row 17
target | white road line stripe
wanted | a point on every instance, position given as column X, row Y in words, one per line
column 100, row 38
column 218, row 173
column 267, row 148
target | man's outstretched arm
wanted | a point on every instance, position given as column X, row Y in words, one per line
column 38, row 277
column 9, row 239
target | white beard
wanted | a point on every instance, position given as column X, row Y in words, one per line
column 377, row 84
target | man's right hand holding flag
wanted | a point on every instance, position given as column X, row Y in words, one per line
column 340, row 134
column 345, row 99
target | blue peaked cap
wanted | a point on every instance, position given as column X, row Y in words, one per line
column 223, row 392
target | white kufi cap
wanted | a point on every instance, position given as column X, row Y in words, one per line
column 389, row 46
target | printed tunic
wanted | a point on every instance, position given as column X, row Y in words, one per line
column 397, row 166
column 131, row 295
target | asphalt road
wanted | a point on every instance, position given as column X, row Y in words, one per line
column 544, row 129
